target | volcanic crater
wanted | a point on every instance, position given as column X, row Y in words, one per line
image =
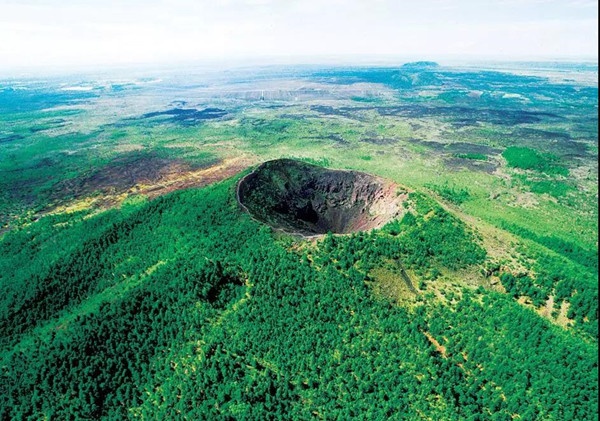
column 307, row 199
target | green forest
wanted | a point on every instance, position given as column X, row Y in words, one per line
column 184, row 307
column 416, row 241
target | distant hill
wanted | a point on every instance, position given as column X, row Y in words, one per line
column 420, row 65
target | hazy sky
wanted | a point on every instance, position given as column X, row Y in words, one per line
column 38, row 33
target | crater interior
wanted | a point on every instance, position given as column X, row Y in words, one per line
column 308, row 199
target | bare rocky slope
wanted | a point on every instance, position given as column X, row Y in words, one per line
column 309, row 200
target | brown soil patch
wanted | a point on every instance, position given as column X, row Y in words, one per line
column 199, row 178
column 124, row 173
column 160, row 178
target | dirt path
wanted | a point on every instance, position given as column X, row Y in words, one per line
column 439, row 347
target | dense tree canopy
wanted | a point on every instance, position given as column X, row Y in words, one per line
column 186, row 308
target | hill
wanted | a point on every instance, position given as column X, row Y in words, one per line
column 187, row 306
column 300, row 243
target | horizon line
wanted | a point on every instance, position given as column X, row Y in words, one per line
column 240, row 62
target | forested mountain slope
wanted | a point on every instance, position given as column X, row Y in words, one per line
column 184, row 307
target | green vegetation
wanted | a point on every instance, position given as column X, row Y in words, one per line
column 450, row 193
column 553, row 188
column 530, row 159
column 369, row 100
column 570, row 250
column 433, row 235
column 473, row 156
column 196, row 310
column 129, row 290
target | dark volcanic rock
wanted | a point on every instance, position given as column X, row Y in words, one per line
column 188, row 116
column 308, row 199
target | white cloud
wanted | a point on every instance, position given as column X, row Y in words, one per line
column 45, row 32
